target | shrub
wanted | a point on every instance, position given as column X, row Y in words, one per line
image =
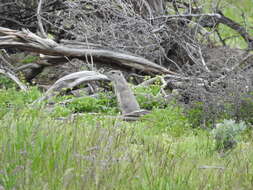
column 226, row 134
column 207, row 114
column 196, row 114
column 149, row 97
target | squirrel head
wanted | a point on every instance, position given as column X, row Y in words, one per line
column 115, row 74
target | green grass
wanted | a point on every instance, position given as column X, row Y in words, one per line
column 161, row 151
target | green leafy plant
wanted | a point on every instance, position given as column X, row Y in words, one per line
column 226, row 134
column 89, row 104
column 152, row 89
column 149, row 97
column 150, row 102
column 195, row 114
column 60, row 111
column 30, row 59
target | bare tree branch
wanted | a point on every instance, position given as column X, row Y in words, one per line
column 238, row 28
column 40, row 25
column 189, row 15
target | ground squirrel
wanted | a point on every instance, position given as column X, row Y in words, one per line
column 125, row 97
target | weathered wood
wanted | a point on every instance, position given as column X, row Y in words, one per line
column 33, row 43
column 70, row 81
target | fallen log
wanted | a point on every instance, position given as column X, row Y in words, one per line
column 31, row 42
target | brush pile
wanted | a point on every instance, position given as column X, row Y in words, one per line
column 174, row 40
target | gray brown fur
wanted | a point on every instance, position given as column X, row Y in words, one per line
column 125, row 97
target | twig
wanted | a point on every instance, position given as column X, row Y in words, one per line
column 203, row 61
column 232, row 69
column 3, row 58
column 15, row 79
column 6, row 70
column 40, row 25
column 188, row 15
column 212, row 167
column 26, row 66
column 14, row 21
column 223, row 41
column 149, row 81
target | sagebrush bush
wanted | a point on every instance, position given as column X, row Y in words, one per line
column 226, row 134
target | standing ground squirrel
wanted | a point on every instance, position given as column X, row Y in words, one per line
column 125, row 97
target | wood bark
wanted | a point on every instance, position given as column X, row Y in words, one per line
column 29, row 41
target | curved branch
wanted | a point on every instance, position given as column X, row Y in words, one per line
column 238, row 28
